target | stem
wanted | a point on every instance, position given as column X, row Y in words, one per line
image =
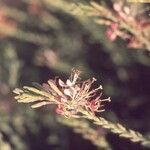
column 83, row 127
column 117, row 128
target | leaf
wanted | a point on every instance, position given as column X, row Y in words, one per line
column 38, row 86
column 17, row 91
column 40, row 104
column 54, row 87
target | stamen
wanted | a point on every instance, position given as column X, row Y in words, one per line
column 107, row 99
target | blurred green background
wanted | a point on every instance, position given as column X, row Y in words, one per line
column 42, row 39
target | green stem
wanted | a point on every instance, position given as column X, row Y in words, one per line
column 117, row 128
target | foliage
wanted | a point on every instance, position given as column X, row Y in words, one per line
column 75, row 99
column 42, row 39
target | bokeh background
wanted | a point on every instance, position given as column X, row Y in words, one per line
column 41, row 39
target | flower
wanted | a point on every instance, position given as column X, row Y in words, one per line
column 111, row 31
column 70, row 97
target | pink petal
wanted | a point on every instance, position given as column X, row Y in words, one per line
column 69, row 83
column 67, row 92
column 61, row 83
column 117, row 7
column 59, row 110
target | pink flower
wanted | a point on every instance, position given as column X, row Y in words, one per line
column 111, row 31
column 70, row 97
column 93, row 105
column 59, row 110
column 111, row 34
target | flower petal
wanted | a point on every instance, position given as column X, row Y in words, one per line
column 61, row 83
column 67, row 92
column 69, row 83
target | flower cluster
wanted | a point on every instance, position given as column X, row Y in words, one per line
column 70, row 97
column 129, row 22
column 124, row 22
column 75, row 98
